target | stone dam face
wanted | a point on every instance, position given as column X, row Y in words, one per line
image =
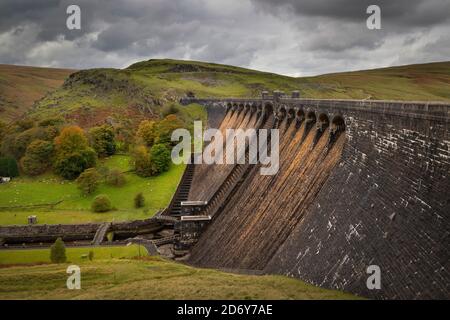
column 359, row 184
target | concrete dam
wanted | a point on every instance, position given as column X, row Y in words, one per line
column 360, row 183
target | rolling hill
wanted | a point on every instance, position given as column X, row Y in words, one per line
column 21, row 86
column 143, row 89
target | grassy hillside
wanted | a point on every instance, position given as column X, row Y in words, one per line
column 143, row 89
column 21, row 86
column 151, row 278
column 430, row 82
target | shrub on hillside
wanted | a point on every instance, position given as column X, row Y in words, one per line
column 169, row 109
column 147, row 132
column 115, row 178
column 101, row 203
column 37, row 157
column 58, row 252
column 103, row 140
column 103, row 171
column 139, row 200
column 142, row 162
column 165, row 127
column 50, row 122
column 24, row 124
column 8, row 167
column 88, row 181
column 160, row 158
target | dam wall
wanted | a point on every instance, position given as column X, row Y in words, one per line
column 376, row 193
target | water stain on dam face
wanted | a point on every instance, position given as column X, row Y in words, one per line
column 202, row 188
column 375, row 194
column 263, row 210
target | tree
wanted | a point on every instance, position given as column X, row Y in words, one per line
column 103, row 140
column 165, row 128
column 71, row 139
column 23, row 140
column 88, row 181
column 73, row 154
column 37, row 157
column 8, row 167
column 101, row 203
column 58, row 252
column 160, row 158
column 139, row 200
column 147, row 132
column 15, row 144
column 115, row 178
column 70, row 166
column 142, row 162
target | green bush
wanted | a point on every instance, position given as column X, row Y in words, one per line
column 91, row 255
column 147, row 132
column 71, row 165
column 169, row 109
column 142, row 162
column 139, row 200
column 58, row 252
column 103, row 140
column 8, row 167
column 160, row 158
column 88, row 181
column 115, row 178
column 101, row 203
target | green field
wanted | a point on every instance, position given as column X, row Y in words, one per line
column 151, row 278
column 75, row 207
column 74, row 255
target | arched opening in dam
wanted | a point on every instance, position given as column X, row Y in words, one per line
column 338, row 124
column 323, row 122
column 311, row 117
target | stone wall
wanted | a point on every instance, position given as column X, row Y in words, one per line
column 387, row 203
column 18, row 234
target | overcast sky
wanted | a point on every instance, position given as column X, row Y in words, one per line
column 292, row 37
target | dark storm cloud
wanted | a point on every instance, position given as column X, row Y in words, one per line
column 395, row 12
column 285, row 36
